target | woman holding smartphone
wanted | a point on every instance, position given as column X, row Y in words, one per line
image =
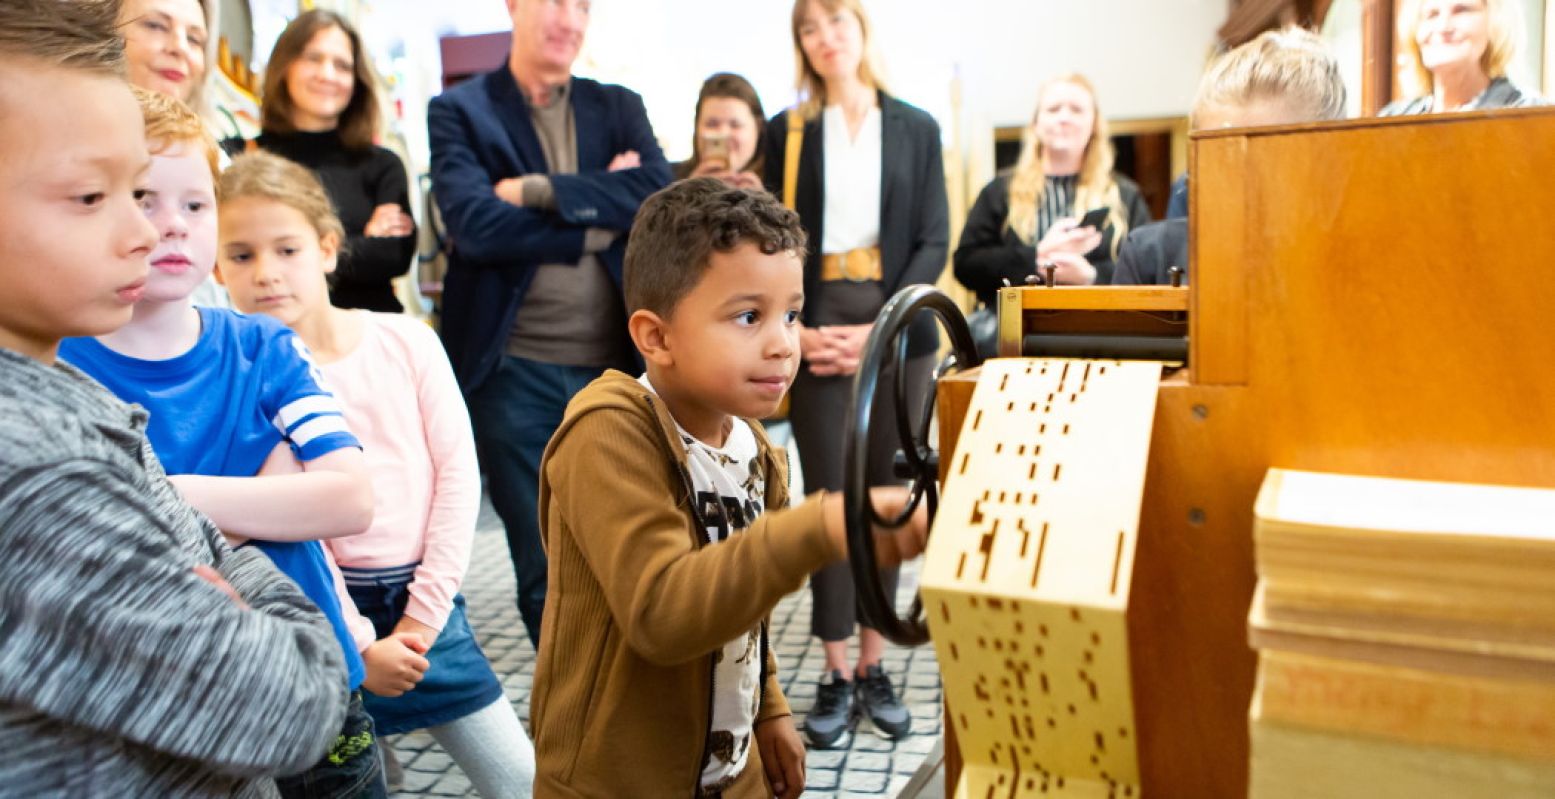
column 729, row 129
column 1030, row 219
column 864, row 171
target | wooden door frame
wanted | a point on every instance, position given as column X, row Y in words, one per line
column 1379, row 20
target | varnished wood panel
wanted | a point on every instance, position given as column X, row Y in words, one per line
column 1367, row 297
column 1383, row 286
column 1218, row 233
column 953, row 397
column 1193, row 576
column 1398, row 295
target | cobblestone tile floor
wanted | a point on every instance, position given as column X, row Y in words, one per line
column 871, row 767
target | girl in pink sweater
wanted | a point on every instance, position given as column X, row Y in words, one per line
column 278, row 241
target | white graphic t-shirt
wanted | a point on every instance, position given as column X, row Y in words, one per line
column 730, row 492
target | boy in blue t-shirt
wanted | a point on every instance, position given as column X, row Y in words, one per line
column 211, row 410
column 226, row 392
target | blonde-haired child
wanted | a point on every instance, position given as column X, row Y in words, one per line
column 225, row 393
column 279, row 242
column 1282, row 77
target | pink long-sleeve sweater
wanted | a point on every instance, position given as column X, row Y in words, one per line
column 403, row 402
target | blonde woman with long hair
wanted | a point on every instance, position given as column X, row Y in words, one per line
column 1030, row 218
column 869, row 187
column 1455, row 54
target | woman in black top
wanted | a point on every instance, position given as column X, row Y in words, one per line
column 320, row 110
column 869, row 187
column 1030, row 218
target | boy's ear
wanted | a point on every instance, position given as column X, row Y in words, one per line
column 650, row 335
column 329, row 245
column 216, row 272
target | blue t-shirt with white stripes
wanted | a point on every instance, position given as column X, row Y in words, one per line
column 219, row 410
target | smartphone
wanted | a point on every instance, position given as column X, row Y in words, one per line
column 1096, row 218
column 716, row 148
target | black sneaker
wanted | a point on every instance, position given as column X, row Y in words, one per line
column 878, row 700
column 829, row 724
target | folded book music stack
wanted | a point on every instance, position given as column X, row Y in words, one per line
column 1406, row 639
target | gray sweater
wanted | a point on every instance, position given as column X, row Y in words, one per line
column 122, row 673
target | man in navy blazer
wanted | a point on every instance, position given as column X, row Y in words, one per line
column 538, row 175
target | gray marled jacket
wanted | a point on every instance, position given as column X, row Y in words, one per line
column 122, row 673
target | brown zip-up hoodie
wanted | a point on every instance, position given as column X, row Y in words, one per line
column 636, row 606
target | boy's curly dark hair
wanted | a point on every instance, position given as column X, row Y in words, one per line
column 678, row 229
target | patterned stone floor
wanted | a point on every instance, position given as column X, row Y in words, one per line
column 872, row 767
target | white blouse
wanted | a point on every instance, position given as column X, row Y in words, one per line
column 851, row 218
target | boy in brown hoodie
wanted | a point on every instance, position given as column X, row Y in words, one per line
column 655, row 677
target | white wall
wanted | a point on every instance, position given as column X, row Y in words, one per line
column 1342, row 31
column 1548, row 48
column 1144, row 55
column 1528, row 70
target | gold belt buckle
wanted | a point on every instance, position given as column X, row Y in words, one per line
column 866, row 271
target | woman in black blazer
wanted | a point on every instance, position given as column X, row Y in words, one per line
column 1030, row 218
column 869, row 187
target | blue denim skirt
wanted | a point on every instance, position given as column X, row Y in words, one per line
column 458, row 682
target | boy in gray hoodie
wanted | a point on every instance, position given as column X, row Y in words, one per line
column 141, row 656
